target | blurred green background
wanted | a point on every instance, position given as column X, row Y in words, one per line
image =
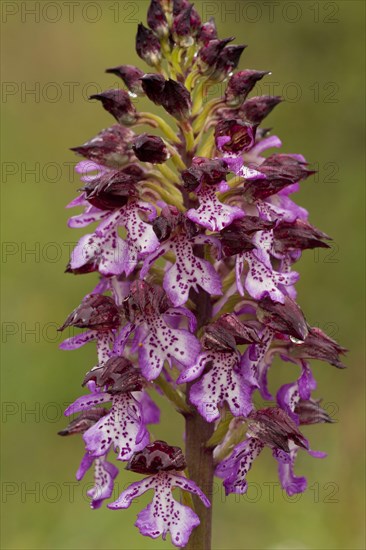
column 53, row 57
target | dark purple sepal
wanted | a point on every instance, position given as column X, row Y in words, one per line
column 311, row 412
column 153, row 86
column 176, row 99
column 148, row 46
column 179, row 5
column 240, row 84
column 157, row 457
column 118, row 374
column 273, row 427
column 286, row 318
column 144, row 299
column 83, row 421
column 156, row 19
column 118, row 103
column 227, row 333
column 262, row 188
column 227, row 61
column 298, row 235
column 109, row 147
column 255, row 109
column 185, row 26
column 319, row 346
column 112, row 189
column 96, row 312
column 204, row 171
column 162, row 228
column 208, row 31
column 208, row 54
column 131, row 76
column 286, row 166
column 237, row 237
column 240, row 136
column 149, row 148
column 89, row 267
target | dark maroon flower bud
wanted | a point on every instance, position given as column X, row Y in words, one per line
column 118, row 103
column 153, row 86
column 185, row 26
column 84, row 421
column 156, row 19
column 179, row 5
column 148, row 46
column 255, row 109
column 286, row 166
column 237, row 237
column 169, row 220
column 227, row 333
column 310, row 412
column 208, row 31
column 240, row 84
column 157, row 457
column 176, row 100
column 273, row 427
column 118, row 374
column 89, row 267
column 204, row 171
column 131, row 76
column 111, row 190
column 162, row 228
column 227, row 61
column 286, row 318
column 144, row 299
column 209, row 53
column 319, row 346
column 150, row 148
column 298, row 235
column 109, row 147
column 234, row 136
column 244, row 332
column 96, row 312
column 262, row 188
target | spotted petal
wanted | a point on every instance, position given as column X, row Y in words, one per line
column 163, row 343
column 86, row 402
column 75, row 342
column 104, row 475
column 212, row 213
column 164, row 514
column 291, row 483
column 235, row 468
column 90, row 215
column 121, row 428
column 262, row 280
column 222, row 383
column 189, row 272
column 110, row 252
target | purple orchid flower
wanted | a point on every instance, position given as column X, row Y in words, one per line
column 195, row 242
column 148, row 314
column 164, row 514
column 104, row 476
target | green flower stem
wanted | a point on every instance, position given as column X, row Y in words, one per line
column 176, row 158
column 206, row 112
column 164, row 194
column 175, row 396
column 158, row 122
